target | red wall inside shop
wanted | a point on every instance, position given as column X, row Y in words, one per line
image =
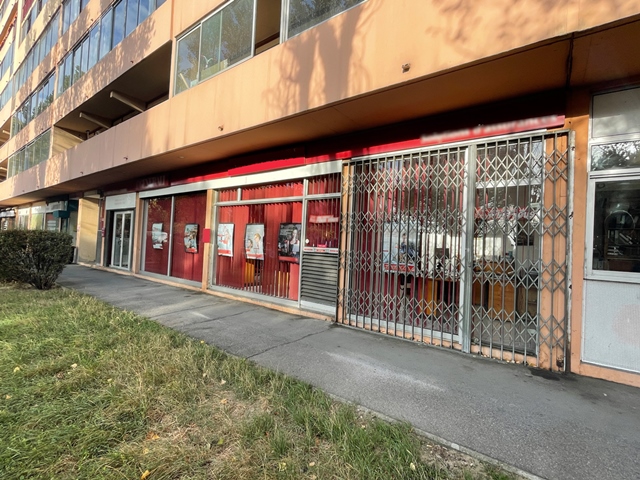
column 269, row 276
column 189, row 209
column 156, row 260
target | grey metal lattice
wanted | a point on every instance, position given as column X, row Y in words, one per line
column 474, row 262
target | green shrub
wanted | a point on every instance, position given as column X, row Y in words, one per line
column 34, row 256
column 13, row 244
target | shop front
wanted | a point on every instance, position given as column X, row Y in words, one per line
column 280, row 240
column 174, row 244
column 463, row 246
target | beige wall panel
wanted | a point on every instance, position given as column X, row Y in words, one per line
column 156, row 119
column 87, row 229
column 128, row 140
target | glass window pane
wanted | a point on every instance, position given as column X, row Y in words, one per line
column 237, row 32
column 85, row 55
column 54, row 31
column 159, row 2
column 187, row 61
column 304, row 14
column 38, row 105
column 75, row 9
column 156, row 257
column 59, row 88
column 26, row 161
column 52, row 82
column 210, row 50
column 132, row 16
column 37, row 151
column 22, row 160
column 146, row 7
column 105, row 33
column 94, row 45
column 77, row 64
column 616, row 230
column 118, row 22
column 26, row 110
column 615, row 155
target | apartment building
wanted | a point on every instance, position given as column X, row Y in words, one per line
column 461, row 174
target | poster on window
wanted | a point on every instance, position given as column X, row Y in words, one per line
column 225, row 239
column 191, row 238
column 158, row 237
column 254, row 241
column 400, row 249
column 289, row 242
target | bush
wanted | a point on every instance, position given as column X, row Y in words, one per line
column 33, row 256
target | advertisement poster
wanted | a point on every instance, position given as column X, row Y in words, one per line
column 400, row 249
column 191, row 238
column 289, row 242
column 254, row 241
column 158, row 237
column 225, row 239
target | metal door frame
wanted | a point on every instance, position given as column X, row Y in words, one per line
column 123, row 214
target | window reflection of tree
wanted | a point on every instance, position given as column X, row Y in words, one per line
column 615, row 155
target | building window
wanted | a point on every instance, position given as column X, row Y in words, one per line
column 117, row 23
column 616, row 232
column 38, row 52
column 614, row 185
column 35, row 104
column 304, row 14
column 71, row 10
column 31, row 154
column 218, row 42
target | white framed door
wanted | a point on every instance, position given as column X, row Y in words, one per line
column 122, row 241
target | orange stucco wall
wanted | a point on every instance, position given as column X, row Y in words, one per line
column 346, row 74
column 354, row 54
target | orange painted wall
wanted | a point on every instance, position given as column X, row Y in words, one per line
column 349, row 56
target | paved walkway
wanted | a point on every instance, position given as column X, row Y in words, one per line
column 551, row 426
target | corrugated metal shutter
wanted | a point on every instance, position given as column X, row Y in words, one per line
column 320, row 278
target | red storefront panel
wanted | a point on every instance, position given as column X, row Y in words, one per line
column 189, row 210
column 270, row 276
column 156, row 258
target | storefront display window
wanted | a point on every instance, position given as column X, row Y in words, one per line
column 188, row 247
column 323, row 225
column 174, row 243
column 616, row 232
column 156, row 258
column 37, row 221
column 275, row 239
column 255, row 264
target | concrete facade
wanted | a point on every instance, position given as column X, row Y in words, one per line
column 377, row 78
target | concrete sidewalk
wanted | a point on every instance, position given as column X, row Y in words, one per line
column 551, row 426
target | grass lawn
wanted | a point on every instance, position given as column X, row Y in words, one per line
column 89, row 391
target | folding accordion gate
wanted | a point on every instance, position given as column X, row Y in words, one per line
column 463, row 247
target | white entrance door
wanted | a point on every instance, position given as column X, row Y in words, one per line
column 122, row 230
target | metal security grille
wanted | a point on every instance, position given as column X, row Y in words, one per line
column 476, row 262
column 405, row 227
